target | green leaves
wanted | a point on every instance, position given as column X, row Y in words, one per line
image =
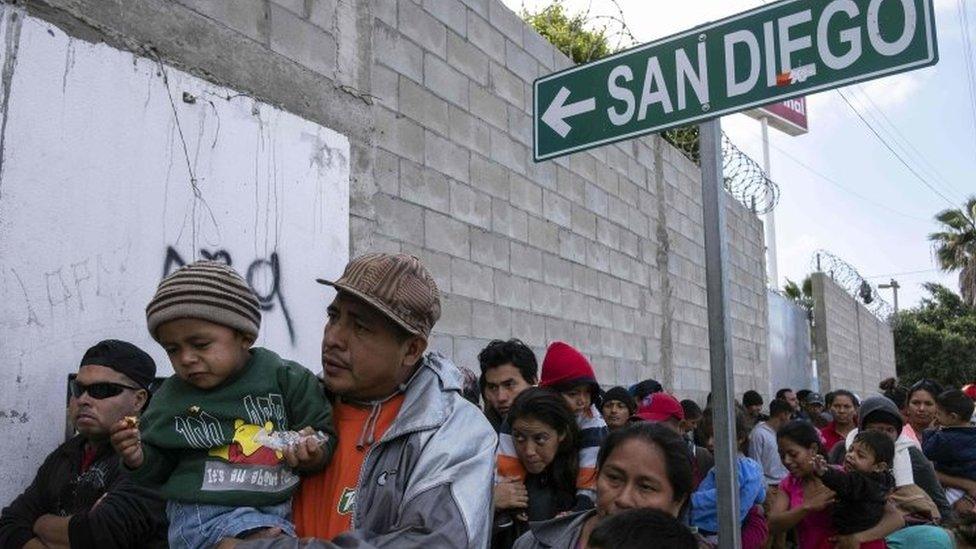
column 937, row 339
column 955, row 247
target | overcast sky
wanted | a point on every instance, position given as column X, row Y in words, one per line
column 842, row 190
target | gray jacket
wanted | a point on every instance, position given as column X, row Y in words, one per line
column 558, row 533
column 428, row 481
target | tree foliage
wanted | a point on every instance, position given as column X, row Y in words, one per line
column 569, row 32
column 801, row 294
column 937, row 339
column 955, row 246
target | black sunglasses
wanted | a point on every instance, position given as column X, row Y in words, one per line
column 100, row 390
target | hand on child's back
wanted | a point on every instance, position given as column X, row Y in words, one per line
column 127, row 444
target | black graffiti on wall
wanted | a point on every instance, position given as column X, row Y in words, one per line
column 269, row 297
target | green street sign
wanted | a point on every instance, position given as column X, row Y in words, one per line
column 771, row 53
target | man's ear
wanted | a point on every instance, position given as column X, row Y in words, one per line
column 142, row 396
column 413, row 349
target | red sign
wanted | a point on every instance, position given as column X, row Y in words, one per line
column 788, row 116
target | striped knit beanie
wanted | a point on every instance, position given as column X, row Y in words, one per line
column 206, row 290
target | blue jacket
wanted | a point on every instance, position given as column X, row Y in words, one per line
column 953, row 451
column 704, row 502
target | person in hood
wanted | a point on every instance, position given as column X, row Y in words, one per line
column 618, row 406
column 82, row 496
column 414, row 461
column 567, row 372
column 918, row 494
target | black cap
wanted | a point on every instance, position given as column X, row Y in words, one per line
column 621, row 395
column 123, row 357
column 752, row 398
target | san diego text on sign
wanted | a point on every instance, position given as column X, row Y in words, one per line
column 777, row 51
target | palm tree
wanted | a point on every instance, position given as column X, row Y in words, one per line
column 955, row 247
column 801, row 294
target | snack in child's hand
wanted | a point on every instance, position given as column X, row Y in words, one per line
column 131, row 422
column 279, row 440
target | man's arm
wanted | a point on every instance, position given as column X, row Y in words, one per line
column 924, row 476
column 17, row 519
column 52, row 530
column 128, row 515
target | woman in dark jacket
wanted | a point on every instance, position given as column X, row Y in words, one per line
column 547, row 441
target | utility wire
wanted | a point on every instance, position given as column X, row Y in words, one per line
column 893, row 151
column 842, row 187
column 906, row 273
column 968, row 61
column 882, row 119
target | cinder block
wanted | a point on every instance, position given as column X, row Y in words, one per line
column 506, row 21
column 470, row 206
column 489, row 249
column 469, row 131
column 491, row 321
column 572, row 246
column 557, row 271
column 596, row 199
column 421, row 105
column 424, row 186
column 538, row 47
column 597, row 256
column 447, row 235
column 586, row 280
column 520, row 125
column 543, row 173
column 302, row 42
column 322, row 13
column 520, row 62
column 446, row 157
column 506, row 84
column 248, row 17
column 583, row 222
column 509, row 221
column 526, row 194
column 543, row 234
column 441, row 343
column 399, row 135
column 547, row 300
column 386, row 171
column 467, row 58
column 399, row 220
column 607, row 233
column 489, row 177
column 383, row 85
column 507, row 152
column 574, row 306
column 530, row 328
column 472, row 280
column 445, row 81
column 570, row 185
column 422, row 28
column 609, row 287
column 526, row 261
column 487, row 106
column 556, row 209
column 466, row 351
column 455, row 315
column 395, row 51
column 453, row 14
column 513, row 291
column 486, row 37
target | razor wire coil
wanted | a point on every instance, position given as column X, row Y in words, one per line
column 844, row 274
column 743, row 178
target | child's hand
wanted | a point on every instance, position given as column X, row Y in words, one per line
column 308, row 455
column 819, row 500
column 127, row 444
column 819, row 465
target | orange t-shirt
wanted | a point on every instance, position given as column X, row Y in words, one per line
column 324, row 503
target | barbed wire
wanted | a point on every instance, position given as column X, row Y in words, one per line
column 745, row 180
column 853, row 283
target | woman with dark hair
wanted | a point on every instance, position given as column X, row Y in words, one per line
column 642, row 466
column 546, row 442
column 920, row 407
column 843, row 408
column 803, row 502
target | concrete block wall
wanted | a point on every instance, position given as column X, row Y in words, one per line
column 601, row 248
column 854, row 349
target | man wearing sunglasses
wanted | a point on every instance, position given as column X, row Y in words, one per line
column 82, row 495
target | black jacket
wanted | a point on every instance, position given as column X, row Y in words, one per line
column 545, row 502
column 860, row 498
column 128, row 516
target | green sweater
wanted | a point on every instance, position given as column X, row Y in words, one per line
column 198, row 444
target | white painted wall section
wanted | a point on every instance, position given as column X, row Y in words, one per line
column 114, row 169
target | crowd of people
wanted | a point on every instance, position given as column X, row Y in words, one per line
column 395, row 446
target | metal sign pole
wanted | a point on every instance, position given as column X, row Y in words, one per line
column 719, row 334
column 771, row 262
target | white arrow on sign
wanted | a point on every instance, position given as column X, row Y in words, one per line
column 558, row 111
